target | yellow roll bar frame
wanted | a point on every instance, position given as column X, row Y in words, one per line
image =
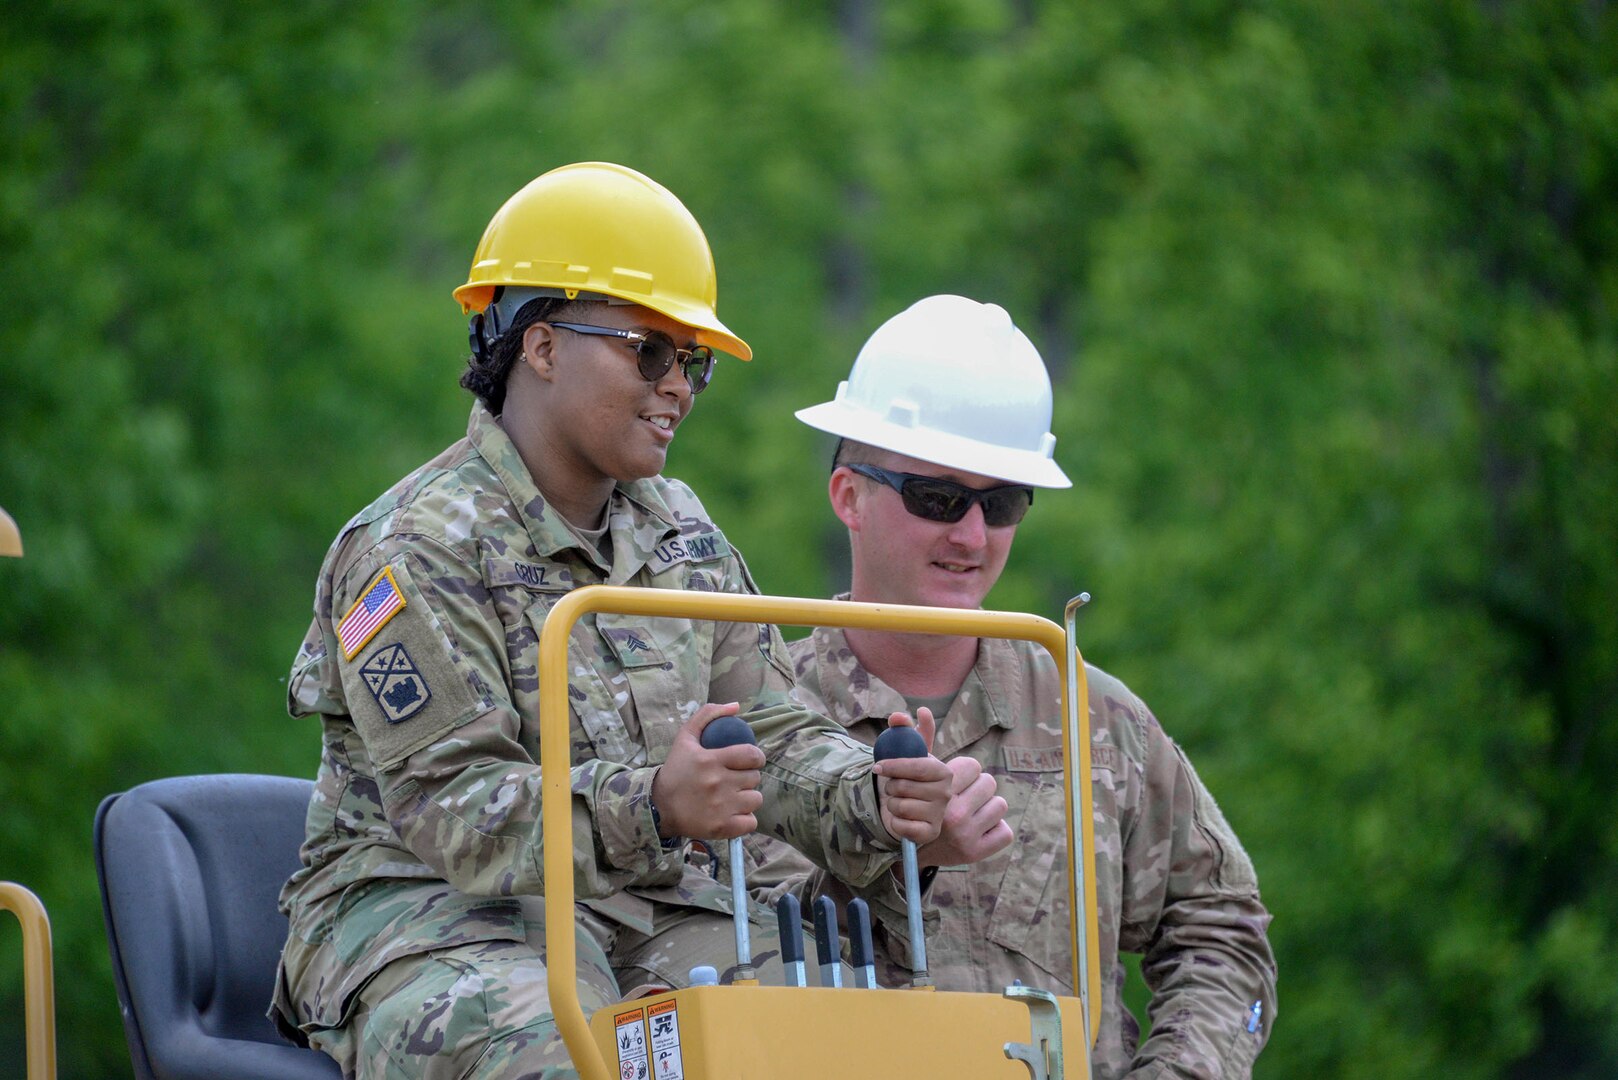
column 39, row 983
column 554, row 746
column 10, row 538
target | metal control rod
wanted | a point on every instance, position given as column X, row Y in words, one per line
column 906, row 742
column 721, row 732
column 1079, row 854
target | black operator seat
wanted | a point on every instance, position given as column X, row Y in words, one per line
column 190, row 869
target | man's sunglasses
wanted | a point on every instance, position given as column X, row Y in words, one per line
column 941, row 500
column 655, row 353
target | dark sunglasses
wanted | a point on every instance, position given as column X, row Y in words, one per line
column 655, row 353
column 942, row 500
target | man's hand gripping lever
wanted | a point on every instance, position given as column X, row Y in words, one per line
column 906, row 742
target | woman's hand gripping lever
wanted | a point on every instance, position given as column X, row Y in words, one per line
column 726, row 731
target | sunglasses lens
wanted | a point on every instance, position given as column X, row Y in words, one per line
column 1006, row 506
column 655, row 355
column 658, row 353
column 935, row 500
column 699, row 368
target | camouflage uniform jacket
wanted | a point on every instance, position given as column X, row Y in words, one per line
column 1172, row 880
column 425, row 820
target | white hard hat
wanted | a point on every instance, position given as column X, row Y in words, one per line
column 953, row 382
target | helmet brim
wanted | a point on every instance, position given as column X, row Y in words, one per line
column 1008, row 464
column 706, row 327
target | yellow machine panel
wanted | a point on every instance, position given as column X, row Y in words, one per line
column 813, row 1033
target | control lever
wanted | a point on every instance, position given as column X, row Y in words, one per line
column 723, row 731
column 906, row 742
column 789, row 921
column 827, row 946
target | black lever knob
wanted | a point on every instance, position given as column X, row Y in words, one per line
column 898, row 742
column 728, row 730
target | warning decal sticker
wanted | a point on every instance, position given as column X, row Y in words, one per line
column 664, row 1018
column 629, row 1035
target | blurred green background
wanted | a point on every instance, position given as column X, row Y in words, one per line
column 1329, row 290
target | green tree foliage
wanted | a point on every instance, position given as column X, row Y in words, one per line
column 1328, row 290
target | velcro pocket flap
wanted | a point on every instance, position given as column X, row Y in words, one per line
column 634, row 646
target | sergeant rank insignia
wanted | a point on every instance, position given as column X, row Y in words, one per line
column 393, row 680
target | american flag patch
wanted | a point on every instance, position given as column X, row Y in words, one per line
column 381, row 602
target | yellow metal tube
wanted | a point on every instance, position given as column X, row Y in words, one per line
column 39, row 984
column 556, row 788
column 10, row 538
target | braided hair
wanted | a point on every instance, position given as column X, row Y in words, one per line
column 490, row 363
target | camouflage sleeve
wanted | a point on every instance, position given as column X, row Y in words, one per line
column 1191, row 907
column 819, row 795
column 429, row 694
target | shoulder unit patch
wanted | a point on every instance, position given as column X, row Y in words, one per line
column 380, row 602
column 393, row 680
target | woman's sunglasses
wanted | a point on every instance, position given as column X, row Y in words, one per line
column 655, row 353
column 941, row 500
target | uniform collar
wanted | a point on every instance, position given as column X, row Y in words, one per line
column 638, row 517
column 988, row 697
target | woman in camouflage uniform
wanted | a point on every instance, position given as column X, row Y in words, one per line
column 417, row 920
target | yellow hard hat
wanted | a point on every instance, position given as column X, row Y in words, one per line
column 597, row 230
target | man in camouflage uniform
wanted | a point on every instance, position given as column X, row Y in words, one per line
column 1173, row 883
column 416, row 942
